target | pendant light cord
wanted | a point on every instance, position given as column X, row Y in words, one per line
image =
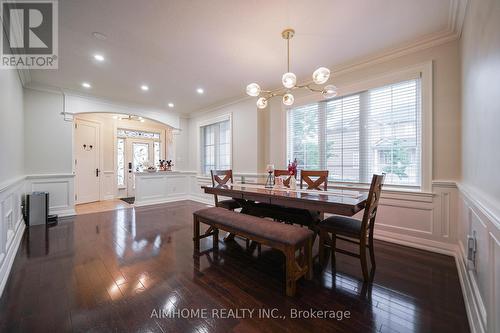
column 288, row 55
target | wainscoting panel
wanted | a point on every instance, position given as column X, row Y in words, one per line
column 108, row 185
column 162, row 187
column 480, row 278
column 60, row 188
column 11, row 225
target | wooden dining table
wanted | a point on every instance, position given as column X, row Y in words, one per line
column 335, row 201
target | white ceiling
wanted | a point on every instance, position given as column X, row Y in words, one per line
column 222, row 45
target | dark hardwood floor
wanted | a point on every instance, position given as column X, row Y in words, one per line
column 111, row 271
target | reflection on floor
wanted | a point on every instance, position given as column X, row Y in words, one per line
column 128, row 270
column 101, row 206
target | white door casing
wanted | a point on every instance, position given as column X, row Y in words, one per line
column 87, row 161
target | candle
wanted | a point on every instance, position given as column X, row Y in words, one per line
column 270, row 168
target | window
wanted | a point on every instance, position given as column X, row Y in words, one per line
column 354, row 136
column 157, row 153
column 215, row 146
column 121, row 162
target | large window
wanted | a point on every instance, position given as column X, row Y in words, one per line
column 354, row 136
column 215, row 146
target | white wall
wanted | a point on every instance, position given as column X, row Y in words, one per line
column 11, row 126
column 11, row 169
column 479, row 214
column 480, row 48
column 245, row 136
column 181, row 146
column 446, row 105
column 49, row 138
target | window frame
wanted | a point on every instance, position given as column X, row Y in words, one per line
column 422, row 70
column 200, row 145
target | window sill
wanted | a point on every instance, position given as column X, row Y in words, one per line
column 387, row 190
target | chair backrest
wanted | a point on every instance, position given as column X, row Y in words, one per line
column 227, row 175
column 320, row 183
column 372, row 203
column 278, row 173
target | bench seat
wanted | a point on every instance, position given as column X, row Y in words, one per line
column 256, row 226
column 286, row 238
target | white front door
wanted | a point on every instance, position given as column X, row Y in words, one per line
column 87, row 185
column 138, row 154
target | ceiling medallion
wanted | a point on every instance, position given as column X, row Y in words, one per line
column 289, row 80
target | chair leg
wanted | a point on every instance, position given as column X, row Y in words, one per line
column 321, row 249
column 362, row 256
column 333, row 247
column 372, row 253
column 196, row 234
column 259, row 249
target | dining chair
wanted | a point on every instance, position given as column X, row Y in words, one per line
column 280, row 173
column 220, row 178
column 290, row 215
column 353, row 230
column 315, row 179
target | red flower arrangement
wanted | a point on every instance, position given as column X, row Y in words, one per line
column 292, row 168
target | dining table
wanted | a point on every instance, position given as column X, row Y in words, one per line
column 335, row 201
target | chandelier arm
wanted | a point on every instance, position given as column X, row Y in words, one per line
column 313, row 90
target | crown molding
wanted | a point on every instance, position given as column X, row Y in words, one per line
column 456, row 17
column 215, row 107
column 117, row 103
column 453, row 31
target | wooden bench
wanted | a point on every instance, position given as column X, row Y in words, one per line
column 287, row 238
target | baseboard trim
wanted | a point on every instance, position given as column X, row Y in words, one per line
column 11, row 255
column 471, row 307
column 161, row 201
column 64, row 212
column 416, row 242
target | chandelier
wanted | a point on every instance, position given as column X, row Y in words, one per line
column 320, row 76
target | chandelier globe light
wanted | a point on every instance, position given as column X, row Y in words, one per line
column 289, row 80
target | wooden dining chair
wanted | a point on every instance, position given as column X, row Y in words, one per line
column 296, row 215
column 279, row 173
column 220, row 178
column 315, row 179
column 353, row 230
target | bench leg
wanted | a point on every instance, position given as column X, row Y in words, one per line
column 309, row 260
column 290, row 271
column 196, row 234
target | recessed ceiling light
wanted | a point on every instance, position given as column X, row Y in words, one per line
column 200, row 91
column 99, row 57
column 144, row 87
column 99, row 35
column 86, row 85
column 170, row 105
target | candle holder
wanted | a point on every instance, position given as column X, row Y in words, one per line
column 270, row 178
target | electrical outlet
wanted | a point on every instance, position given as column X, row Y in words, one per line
column 471, row 250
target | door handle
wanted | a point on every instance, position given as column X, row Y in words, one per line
column 97, row 172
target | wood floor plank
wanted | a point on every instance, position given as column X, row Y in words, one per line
column 109, row 271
